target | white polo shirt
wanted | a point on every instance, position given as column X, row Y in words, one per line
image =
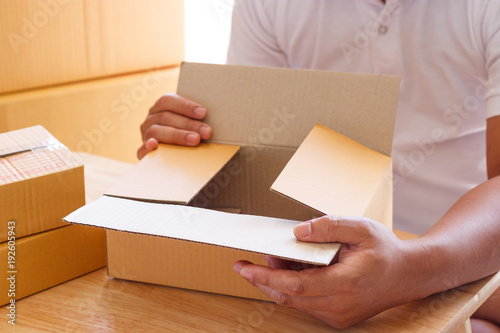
column 447, row 53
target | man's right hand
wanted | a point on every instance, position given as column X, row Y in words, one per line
column 176, row 120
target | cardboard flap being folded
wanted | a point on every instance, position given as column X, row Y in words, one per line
column 173, row 174
column 266, row 235
column 333, row 173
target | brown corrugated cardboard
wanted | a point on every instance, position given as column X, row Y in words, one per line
column 101, row 117
column 101, row 174
column 49, row 258
column 338, row 176
column 180, row 173
column 268, row 112
column 265, row 235
column 177, row 263
column 54, row 41
column 173, row 174
column 277, row 107
column 41, row 181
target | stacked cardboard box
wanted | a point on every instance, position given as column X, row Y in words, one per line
column 40, row 182
column 88, row 71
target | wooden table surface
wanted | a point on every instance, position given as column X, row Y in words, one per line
column 97, row 303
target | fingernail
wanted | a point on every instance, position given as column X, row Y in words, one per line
column 237, row 267
column 205, row 132
column 303, row 229
column 151, row 143
column 200, row 112
column 192, row 138
column 246, row 275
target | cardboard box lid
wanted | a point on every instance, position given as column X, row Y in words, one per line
column 32, row 152
column 333, row 173
column 173, row 174
column 259, row 234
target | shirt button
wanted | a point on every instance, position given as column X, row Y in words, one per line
column 382, row 29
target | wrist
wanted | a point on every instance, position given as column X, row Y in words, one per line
column 427, row 267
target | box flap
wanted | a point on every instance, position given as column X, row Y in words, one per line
column 264, row 235
column 269, row 106
column 380, row 207
column 333, row 173
column 173, row 174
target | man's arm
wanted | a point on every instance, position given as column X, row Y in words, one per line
column 493, row 146
column 377, row 271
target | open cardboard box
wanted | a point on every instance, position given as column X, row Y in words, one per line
column 267, row 112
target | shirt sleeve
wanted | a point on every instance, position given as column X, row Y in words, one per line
column 253, row 41
column 491, row 35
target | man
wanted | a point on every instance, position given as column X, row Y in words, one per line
column 445, row 181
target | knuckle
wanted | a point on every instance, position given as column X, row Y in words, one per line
column 364, row 228
column 144, row 126
column 193, row 125
column 165, row 102
column 151, row 132
column 168, row 99
column 282, row 299
column 179, row 137
column 186, row 108
column 331, row 226
column 367, row 226
column 295, row 287
column 166, row 118
column 153, row 107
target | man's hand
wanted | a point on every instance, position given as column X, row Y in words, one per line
column 173, row 119
column 374, row 272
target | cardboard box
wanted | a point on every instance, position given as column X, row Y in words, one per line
column 101, row 117
column 52, row 42
column 177, row 263
column 339, row 176
column 49, row 258
column 276, row 108
column 41, row 181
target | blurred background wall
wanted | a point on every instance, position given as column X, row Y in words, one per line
column 88, row 70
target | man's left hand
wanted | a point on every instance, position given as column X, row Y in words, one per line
column 374, row 272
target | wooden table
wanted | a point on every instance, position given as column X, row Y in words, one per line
column 96, row 303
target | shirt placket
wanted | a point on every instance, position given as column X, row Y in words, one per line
column 382, row 29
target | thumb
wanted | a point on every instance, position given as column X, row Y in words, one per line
column 148, row 146
column 331, row 228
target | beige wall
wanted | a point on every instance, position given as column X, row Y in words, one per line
column 88, row 71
